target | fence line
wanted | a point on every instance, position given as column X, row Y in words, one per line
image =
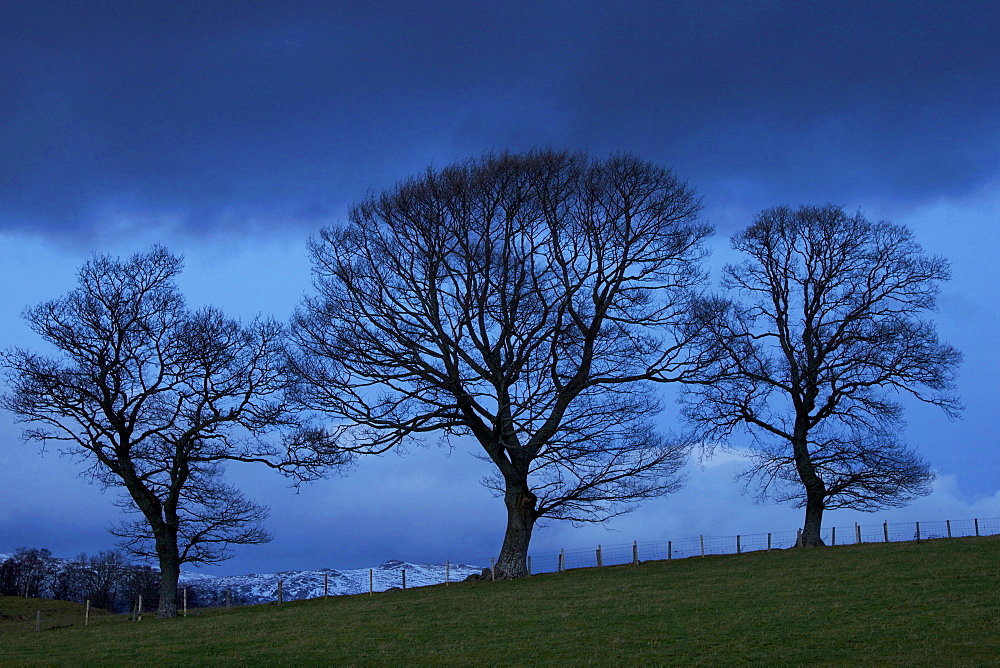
column 886, row 532
column 684, row 548
column 702, row 545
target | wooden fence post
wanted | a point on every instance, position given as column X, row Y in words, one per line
column 857, row 530
column 833, row 539
column 798, row 538
column 326, row 585
column 529, row 564
column 738, row 550
column 229, row 598
column 185, row 595
column 670, row 550
column 769, row 541
column 701, row 540
column 38, row 621
column 281, row 593
column 918, row 532
column 493, row 568
column 86, row 614
column 562, row 560
column 635, row 553
column 370, row 586
column 447, row 573
column 948, row 524
column 138, row 610
column 404, row 579
column 600, row 561
column 885, row 530
column 976, row 520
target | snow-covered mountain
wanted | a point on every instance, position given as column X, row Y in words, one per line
column 263, row 587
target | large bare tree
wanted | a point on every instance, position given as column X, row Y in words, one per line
column 525, row 301
column 830, row 332
column 154, row 398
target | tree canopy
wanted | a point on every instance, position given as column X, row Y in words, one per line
column 826, row 329
column 154, row 398
column 525, row 301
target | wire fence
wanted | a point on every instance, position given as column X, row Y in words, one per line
column 703, row 546
column 386, row 579
column 389, row 577
column 698, row 546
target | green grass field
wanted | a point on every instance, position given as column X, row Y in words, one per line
column 930, row 603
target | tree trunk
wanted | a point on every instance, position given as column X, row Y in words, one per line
column 815, row 489
column 170, row 572
column 520, row 521
column 814, row 521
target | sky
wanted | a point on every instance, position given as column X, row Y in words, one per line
column 231, row 132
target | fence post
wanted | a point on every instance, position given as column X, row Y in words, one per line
column 529, row 564
column 281, row 594
column 738, row 550
column 976, row 520
column 447, row 573
column 768, row 541
column 948, row 524
column 885, row 530
column 600, row 561
column 86, row 614
column 493, row 568
column 857, row 530
column 562, row 560
column 138, row 610
column 370, row 587
column 38, row 621
column 670, row 550
column 918, row 532
column 635, row 553
column 833, row 539
column 404, row 579
column 229, row 598
column 185, row 590
column 798, row 538
column 326, row 585
column 701, row 541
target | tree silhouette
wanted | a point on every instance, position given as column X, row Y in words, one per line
column 154, row 398
column 523, row 301
column 829, row 331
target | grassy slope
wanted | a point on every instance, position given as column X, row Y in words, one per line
column 936, row 602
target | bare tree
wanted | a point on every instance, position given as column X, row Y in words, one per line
column 29, row 572
column 830, row 331
column 106, row 573
column 211, row 516
column 73, row 580
column 155, row 398
column 525, row 301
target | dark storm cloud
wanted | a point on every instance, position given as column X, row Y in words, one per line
column 868, row 96
column 242, row 105
column 220, row 113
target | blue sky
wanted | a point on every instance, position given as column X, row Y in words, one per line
column 232, row 131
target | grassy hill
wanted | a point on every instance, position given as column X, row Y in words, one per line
column 936, row 602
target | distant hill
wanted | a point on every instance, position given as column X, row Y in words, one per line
column 263, row 587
